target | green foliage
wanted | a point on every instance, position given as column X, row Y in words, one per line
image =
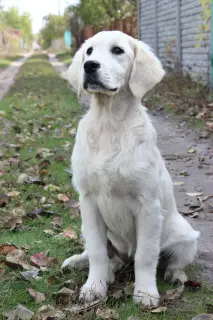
column 12, row 18
column 54, row 28
column 6, row 61
column 204, row 27
column 101, row 12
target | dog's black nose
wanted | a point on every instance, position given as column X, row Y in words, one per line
column 91, row 66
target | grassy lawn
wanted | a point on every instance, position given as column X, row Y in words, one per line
column 65, row 57
column 6, row 61
column 37, row 126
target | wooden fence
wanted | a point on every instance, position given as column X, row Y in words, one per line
column 127, row 25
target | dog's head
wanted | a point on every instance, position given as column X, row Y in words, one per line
column 112, row 60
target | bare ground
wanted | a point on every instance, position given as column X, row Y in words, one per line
column 8, row 75
column 189, row 159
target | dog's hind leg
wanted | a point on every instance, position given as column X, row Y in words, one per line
column 81, row 261
column 180, row 255
column 78, row 261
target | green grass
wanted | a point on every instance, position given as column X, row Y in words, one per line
column 6, row 61
column 40, row 110
column 65, row 57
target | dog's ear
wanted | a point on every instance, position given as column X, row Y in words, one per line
column 146, row 71
column 74, row 71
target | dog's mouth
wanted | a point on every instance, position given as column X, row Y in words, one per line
column 95, row 85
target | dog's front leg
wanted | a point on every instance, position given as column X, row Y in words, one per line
column 96, row 244
column 148, row 230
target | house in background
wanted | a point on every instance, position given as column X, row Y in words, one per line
column 179, row 33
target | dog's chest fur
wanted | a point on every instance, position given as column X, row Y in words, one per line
column 105, row 154
column 113, row 160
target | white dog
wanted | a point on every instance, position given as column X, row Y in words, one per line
column 126, row 193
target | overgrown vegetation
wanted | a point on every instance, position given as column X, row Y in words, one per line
column 38, row 124
column 178, row 93
column 65, row 57
column 6, row 61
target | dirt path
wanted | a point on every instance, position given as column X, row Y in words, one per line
column 191, row 172
column 8, row 75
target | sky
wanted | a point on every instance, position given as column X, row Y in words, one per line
column 38, row 9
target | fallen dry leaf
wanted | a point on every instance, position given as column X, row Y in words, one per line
column 16, row 259
column 62, row 197
column 67, row 144
column 65, row 296
column 49, row 231
column 117, row 294
column 72, row 204
column 70, row 233
column 49, row 312
column 13, row 193
column 191, row 150
column 38, row 296
column 203, row 316
column 72, row 131
column 159, row 310
column 184, row 173
column 51, row 188
column 74, row 212
column 12, row 223
column 178, row 183
column 44, row 164
column 107, row 313
column 76, row 309
column 43, row 153
column 57, row 221
column 40, row 212
column 210, row 125
column 174, row 293
column 40, row 259
column 59, row 158
column 29, row 275
column 7, row 248
column 194, row 194
column 22, row 178
column 34, row 180
column 74, row 207
column 4, row 200
column 10, row 314
column 20, row 312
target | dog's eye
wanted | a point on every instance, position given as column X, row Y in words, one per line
column 89, row 51
column 117, row 50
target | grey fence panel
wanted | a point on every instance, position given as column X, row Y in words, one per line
column 171, row 28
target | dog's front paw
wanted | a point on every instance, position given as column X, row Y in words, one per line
column 92, row 291
column 148, row 297
column 77, row 261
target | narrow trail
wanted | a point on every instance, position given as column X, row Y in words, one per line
column 189, row 159
column 7, row 76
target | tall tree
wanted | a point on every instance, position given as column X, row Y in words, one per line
column 100, row 12
column 54, row 28
column 12, row 18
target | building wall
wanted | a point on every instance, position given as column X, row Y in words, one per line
column 171, row 28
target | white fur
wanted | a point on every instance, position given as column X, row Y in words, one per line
column 126, row 193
